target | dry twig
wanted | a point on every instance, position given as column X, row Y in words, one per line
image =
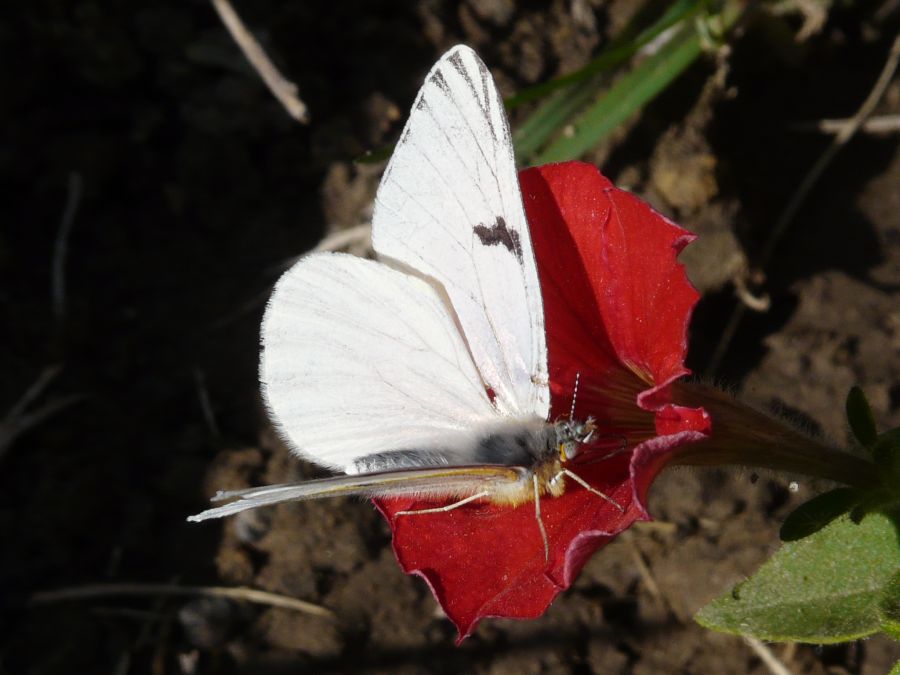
column 358, row 235
column 209, row 416
column 283, row 89
column 61, row 247
column 90, row 591
column 805, row 187
column 337, row 241
column 660, row 526
column 649, row 580
column 19, row 419
column 767, row 656
column 758, row 303
column 877, row 125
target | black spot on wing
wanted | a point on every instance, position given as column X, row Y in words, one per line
column 500, row 234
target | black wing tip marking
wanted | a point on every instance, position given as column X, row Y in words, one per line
column 482, row 98
column 456, row 59
column 440, row 81
column 499, row 233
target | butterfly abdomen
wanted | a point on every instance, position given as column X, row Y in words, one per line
column 516, row 444
column 527, row 445
column 523, row 443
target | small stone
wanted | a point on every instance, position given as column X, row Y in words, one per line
column 497, row 12
column 314, row 635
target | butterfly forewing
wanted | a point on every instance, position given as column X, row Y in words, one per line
column 438, row 358
column 449, row 207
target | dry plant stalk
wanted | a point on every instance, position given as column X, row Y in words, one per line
column 282, row 88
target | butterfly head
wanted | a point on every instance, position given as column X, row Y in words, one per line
column 571, row 435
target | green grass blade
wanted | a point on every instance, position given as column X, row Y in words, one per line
column 615, row 53
column 551, row 117
column 628, row 95
column 649, row 78
column 581, row 86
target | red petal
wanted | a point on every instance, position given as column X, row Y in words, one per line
column 650, row 457
column 614, row 294
column 672, row 419
column 486, row 560
column 617, row 306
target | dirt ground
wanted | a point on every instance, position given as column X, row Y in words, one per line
column 197, row 192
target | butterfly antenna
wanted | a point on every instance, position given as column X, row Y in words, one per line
column 574, row 396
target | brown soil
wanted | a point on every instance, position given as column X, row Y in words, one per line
column 198, row 190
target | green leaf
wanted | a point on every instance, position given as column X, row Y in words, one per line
column 890, row 607
column 826, row 588
column 896, row 669
column 878, row 499
column 886, row 450
column 815, row 514
column 860, row 417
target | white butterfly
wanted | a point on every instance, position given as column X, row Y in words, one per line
column 424, row 373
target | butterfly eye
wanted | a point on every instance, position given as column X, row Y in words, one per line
column 568, row 450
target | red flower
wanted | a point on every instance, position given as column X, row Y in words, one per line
column 617, row 306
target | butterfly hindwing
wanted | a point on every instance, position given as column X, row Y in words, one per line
column 360, row 359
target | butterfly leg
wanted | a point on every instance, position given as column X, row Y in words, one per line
column 537, row 514
column 443, row 509
column 583, row 483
